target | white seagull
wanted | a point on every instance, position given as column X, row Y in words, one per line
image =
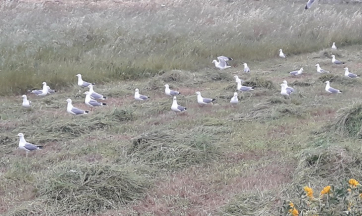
column 81, row 82
column 349, row 74
column 221, row 64
column 27, row 146
column 284, row 91
column 94, row 95
column 177, row 108
column 309, row 4
column 170, row 92
column 243, row 88
column 26, row 102
column 334, row 61
column 74, row 110
column 138, row 96
column 234, row 99
column 330, row 89
column 246, row 68
column 296, row 73
column 237, row 79
column 320, row 70
column 334, row 45
column 287, row 87
column 42, row 92
column 281, row 54
column 202, row 100
column 91, row 102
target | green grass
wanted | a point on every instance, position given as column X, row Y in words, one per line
column 140, row 158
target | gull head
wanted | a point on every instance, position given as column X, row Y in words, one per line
column 44, row 83
column 23, row 96
column 198, row 93
column 87, row 92
column 174, row 98
column 317, row 65
column 78, row 75
column 346, row 68
column 333, row 56
column 69, row 100
column 245, row 65
column 236, row 77
column 285, row 82
column 20, row 135
column 326, row 82
column 137, row 90
column 280, row 50
column 235, row 94
column 167, row 86
column 213, row 61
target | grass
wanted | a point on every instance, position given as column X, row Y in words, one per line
column 140, row 158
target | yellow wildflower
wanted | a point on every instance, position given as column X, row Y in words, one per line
column 308, row 191
column 326, row 190
column 291, row 205
column 295, row 212
column 353, row 182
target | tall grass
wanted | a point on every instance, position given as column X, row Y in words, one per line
column 43, row 42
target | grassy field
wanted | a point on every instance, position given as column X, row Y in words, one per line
column 140, row 158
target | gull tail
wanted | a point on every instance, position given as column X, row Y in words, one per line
column 39, row 147
column 86, row 112
column 104, row 104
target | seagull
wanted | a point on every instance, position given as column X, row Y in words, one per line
column 234, row 99
column 26, row 102
column 309, row 4
column 237, row 79
column 74, row 110
column 42, row 92
column 90, row 102
column 225, row 58
column 336, row 61
column 177, row 108
column 170, row 92
column 94, row 95
column 284, row 91
column 330, row 89
column 27, row 146
column 281, row 54
column 287, row 87
column 334, row 45
column 349, row 74
column 320, row 70
column 50, row 91
column 202, row 100
column 296, row 73
column 246, row 68
column 221, row 64
column 82, row 83
column 243, row 88
column 138, row 96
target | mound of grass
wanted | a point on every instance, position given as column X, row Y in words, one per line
column 172, row 150
column 258, row 82
column 349, row 121
column 86, row 189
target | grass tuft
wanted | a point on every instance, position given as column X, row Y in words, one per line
column 349, row 121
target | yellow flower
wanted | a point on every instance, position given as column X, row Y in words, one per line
column 291, row 205
column 308, row 191
column 326, row 190
column 295, row 212
column 353, row 182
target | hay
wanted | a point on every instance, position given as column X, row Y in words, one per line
column 349, row 121
column 86, row 189
column 164, row 150
column 258, row 82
